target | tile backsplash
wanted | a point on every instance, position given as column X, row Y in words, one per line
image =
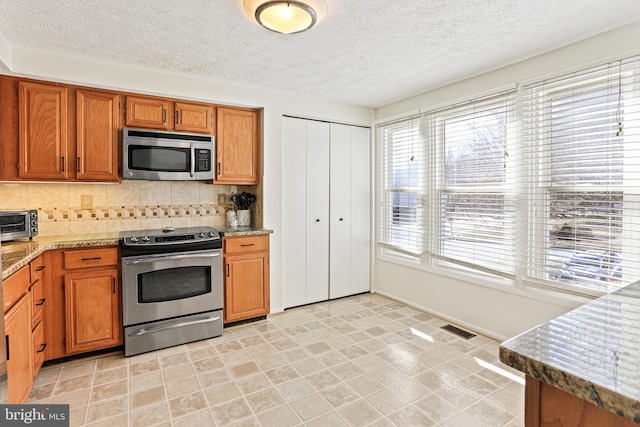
column 65, row 208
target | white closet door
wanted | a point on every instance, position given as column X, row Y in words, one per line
column 360, row 210
column 294, row 211
column 340, row 212
column 317, row 201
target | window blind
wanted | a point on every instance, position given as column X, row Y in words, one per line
column 401, row 178
column 581, row 157
column 474, row 191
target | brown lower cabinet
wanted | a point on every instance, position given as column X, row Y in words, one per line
column 17, row 324
column 246, row 282
column 548, row 406
column 23, row 316
column 83, row 301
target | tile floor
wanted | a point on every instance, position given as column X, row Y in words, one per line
column 360, row 361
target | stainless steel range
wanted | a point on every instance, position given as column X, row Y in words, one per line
column 171, row 287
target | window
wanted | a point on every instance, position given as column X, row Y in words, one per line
column 563, row 210
column 400, row 218
column 474, row 225
column 582, row 154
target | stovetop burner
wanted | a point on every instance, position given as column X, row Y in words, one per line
column 169, row 239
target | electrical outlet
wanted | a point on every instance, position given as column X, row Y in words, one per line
column 222, row 199
column 86, row 202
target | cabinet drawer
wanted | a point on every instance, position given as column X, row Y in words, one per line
column 38, row 348
column 37, row 268
column 38, row 301
column 16, row 286
column 235, row 245
column 90, row 258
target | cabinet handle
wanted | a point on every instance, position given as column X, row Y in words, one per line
column 164, row 116
column 113, row 285
column 79, row 164
column 42, row 347
column 248, row 244
column 6, row 342
column 218, row 168
column 341, row 219
column 177, row 115
column 41, row 302
column 318, row 220
column 62, row 164
column 40, row 268
column 228, row 272
column 95, row 258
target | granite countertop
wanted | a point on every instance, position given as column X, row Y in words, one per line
column 592, row 352
column 19, row 253
column 242, row 230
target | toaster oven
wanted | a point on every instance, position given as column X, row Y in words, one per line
column 18, row 224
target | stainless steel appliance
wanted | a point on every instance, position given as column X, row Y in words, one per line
column 171, row 287
column 167, row 156
column 18, row 224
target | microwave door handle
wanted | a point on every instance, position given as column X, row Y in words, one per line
column 193, row 161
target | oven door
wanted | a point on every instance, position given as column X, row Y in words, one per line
column 157, row 287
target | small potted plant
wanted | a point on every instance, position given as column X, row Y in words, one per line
column 243, row 201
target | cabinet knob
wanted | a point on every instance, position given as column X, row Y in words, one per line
column 318, row 220
column 341, row 219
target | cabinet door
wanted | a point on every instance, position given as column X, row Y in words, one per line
column 294, row 201
column 43, row 131
column 92, row 310
column 340, row 216
column 17, row 323
column 305, row 177
column 146, row 112
column 98, row 128
column 246, row 286
column 360, row 199
column 238, row 148
column 317, row 218
column 193, row 117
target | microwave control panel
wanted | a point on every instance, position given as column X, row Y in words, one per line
column 203, row 160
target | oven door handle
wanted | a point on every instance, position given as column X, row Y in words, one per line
column 160, row 328
column 149, row 260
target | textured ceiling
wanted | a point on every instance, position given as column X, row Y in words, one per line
column 365, row 52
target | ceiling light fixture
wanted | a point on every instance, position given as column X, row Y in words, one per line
column 286, row 17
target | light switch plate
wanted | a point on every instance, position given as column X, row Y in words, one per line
column 222, row 199
column 86, row 201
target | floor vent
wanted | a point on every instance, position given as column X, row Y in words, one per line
column 459, row 332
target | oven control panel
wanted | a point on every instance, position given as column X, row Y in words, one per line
column 171, row 239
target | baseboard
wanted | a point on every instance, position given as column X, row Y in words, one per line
column 443, row 316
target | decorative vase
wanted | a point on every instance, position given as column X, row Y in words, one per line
column 244, row 217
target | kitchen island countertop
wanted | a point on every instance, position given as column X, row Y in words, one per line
column 591, row 352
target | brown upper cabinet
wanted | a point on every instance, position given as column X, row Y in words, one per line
column 64, row 134
column 56, row 132
column 43, row 131
column 98, row 135
column 164, row 114
column 238, row 148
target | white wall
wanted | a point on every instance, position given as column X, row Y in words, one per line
column 43, row 65
column 499, row 313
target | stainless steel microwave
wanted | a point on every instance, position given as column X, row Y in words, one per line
column 167, row 156
column 18, row 224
